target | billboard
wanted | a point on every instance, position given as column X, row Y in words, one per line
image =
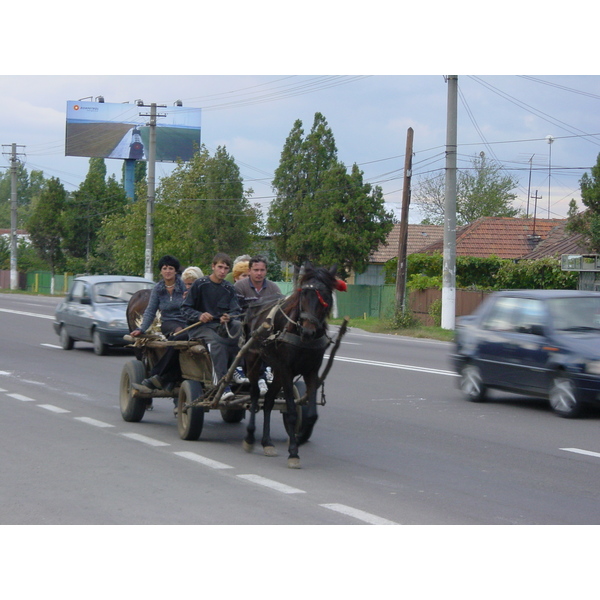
column 109, row 130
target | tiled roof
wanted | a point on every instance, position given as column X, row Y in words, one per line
column 503, row 237
column 558, row 242
column 418, row 237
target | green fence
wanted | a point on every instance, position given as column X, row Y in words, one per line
column 362, row 301
column 40, row 282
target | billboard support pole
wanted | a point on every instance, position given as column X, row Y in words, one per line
column 129, row 178
column 148, row 274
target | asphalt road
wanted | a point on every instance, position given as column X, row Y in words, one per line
column 395, row 444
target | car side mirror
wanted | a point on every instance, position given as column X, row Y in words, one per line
column 537, row 329
column 86, row 300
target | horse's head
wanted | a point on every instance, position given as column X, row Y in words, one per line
column 315, row 300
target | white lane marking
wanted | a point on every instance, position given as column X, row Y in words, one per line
column 361, row 515
column 579, row 451
column 145, row 439
column 3, row 390
column 51, row 346
column 5, row 373
column 27, row 314
column 375, row 363
column 274, row 485
column 53, row 408
column 93, row 422
column 21, row 398
column 208, row 462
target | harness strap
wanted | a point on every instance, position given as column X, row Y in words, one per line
column 295, row 340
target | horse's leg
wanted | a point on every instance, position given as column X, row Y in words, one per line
column 269, row 402
column 311, row 380
column 290, row 422
column 248, row 443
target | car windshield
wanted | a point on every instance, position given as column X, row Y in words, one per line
column 117, row 291
column 575, row 314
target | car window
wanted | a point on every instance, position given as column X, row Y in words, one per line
column 502, row 315
column 117, row 291
column 573, row 314
column 529, row 316
column 78, row 290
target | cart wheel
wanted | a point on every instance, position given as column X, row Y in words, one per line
column 66, row 341
column 190, row 420
column 303, row 427
column 232, row 415
column 132, row 407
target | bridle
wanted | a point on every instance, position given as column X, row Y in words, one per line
column 319, row 290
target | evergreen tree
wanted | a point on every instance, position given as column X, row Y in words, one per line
column 321, row 213
column 45, row 224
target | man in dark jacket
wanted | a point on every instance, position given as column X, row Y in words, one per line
column 212, row 302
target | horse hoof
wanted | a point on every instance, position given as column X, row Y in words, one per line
column 270, row 451
column 293, row 463
column 247, row 447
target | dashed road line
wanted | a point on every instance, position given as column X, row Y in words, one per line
column 27, row 314
column 52, row 408
column 52, row 346
column 145, row 439
column 21, row 397
column 93, row 422
column 579, row 451
column 208, row 462
column 270, row 483
column 361, row 515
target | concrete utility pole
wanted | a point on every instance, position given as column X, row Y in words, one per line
column 14, row 274
column 449, row 270
column 148, row 271
column 402, row 242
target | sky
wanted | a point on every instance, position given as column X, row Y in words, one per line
column 252, row 90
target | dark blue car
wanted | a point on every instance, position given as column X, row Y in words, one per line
column 543, row 343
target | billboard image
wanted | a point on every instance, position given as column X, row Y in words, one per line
column 108, row 130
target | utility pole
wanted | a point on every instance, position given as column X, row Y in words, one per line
column 449, row 268
column 529, row 185
column 148, row 271
column 536, row 198
column 402, row 242
column 14, row 274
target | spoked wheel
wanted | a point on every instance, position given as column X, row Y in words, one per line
column 563, row 398
column 66, row 341
column 132, row 407
column 190, row 419
column 471, row 383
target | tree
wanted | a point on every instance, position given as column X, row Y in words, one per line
column 45, row 223
column 320, row 212
column 200, row 209
column 85, row 211
column 482, row 191
column 588, row 222
column 29, row 186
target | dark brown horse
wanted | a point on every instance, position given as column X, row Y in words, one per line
column 135, row 310
column 295, row 348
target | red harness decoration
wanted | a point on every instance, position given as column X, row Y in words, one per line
column 323, row 303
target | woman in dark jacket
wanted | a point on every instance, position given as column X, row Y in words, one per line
column 167, row 296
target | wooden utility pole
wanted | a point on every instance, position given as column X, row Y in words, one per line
column 402, row 242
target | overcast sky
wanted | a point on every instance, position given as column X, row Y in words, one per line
column 349, row 79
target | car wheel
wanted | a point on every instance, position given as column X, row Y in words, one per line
column 471, row 383
column 99, row 345
column 563, row 397
column 66, row 341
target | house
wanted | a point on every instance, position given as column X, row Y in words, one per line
column 418, row 236
column 504, row 237
column 21, row 234
column 557, row 243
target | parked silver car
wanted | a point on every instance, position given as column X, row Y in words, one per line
column 94, row 310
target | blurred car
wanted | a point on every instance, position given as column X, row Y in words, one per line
column 94, row 310
column 543, row 343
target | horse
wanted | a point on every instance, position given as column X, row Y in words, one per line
column 296, row 346
column 135, row 312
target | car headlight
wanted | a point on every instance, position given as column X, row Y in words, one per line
column 592, row 367
column 118, row 324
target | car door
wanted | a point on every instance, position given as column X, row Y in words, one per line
column 79, row 312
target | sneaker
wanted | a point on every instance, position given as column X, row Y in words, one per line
column 269, row 375
column 227, row 393
column 239, row 376
column 262, row 386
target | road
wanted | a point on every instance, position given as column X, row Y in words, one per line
column 395, row 444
